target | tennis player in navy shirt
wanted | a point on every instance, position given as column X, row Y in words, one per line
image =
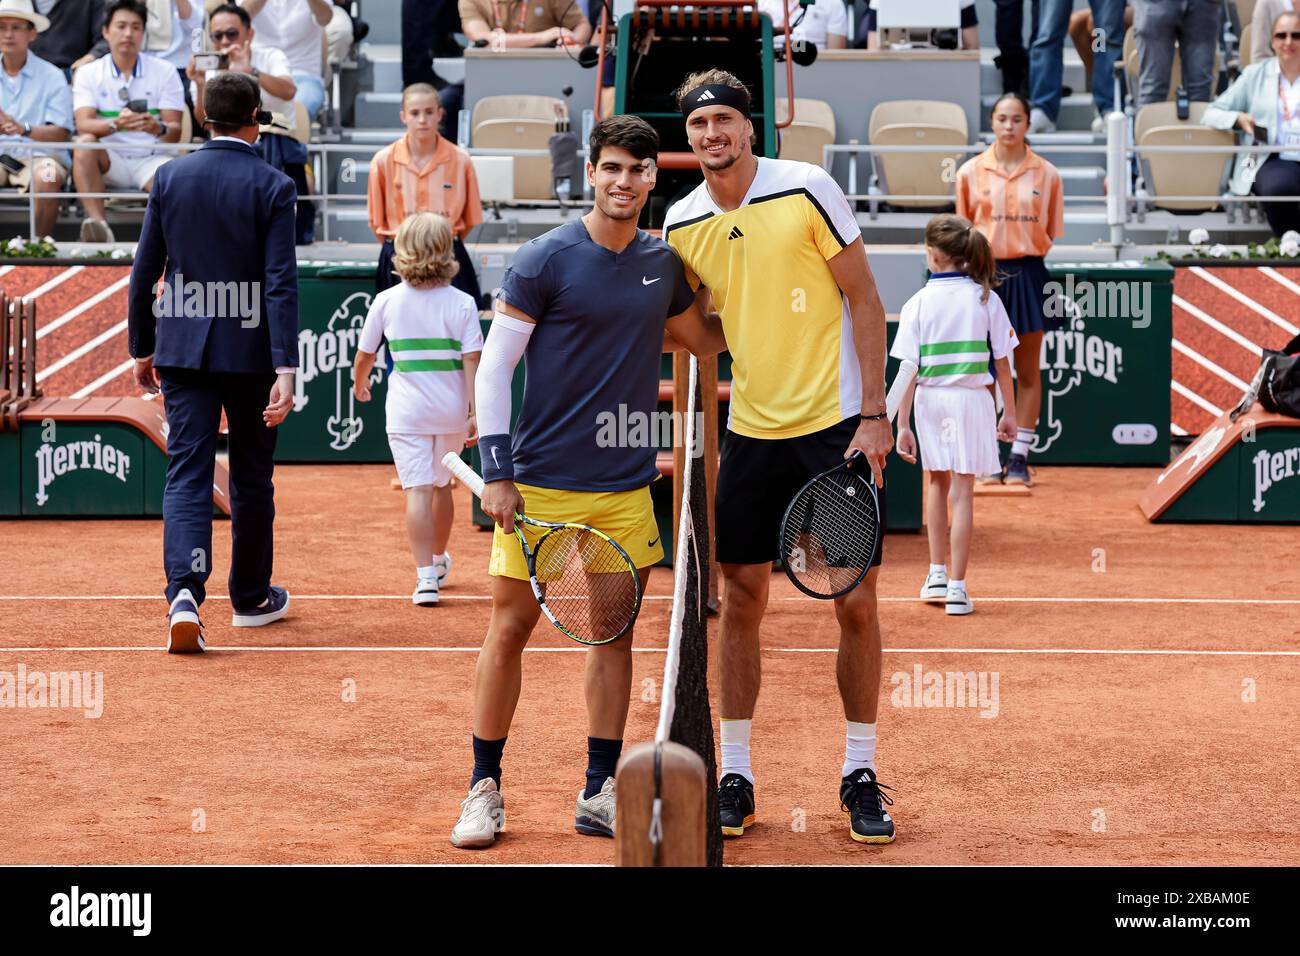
column 590, row 307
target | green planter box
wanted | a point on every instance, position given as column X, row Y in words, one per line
column 327, row 423
column 1106, row 372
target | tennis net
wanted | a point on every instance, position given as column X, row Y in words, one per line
column 685, row 717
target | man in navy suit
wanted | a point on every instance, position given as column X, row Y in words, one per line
column 219, row 331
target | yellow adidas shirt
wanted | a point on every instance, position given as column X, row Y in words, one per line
column 794, row 368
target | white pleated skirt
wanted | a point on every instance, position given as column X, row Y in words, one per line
column 956, row 429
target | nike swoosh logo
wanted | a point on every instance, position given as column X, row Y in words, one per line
column 653, row 543
column 494, row 458
column 645, row 281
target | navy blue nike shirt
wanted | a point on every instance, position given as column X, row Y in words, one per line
column 595, row 354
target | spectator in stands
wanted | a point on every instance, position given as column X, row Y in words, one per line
column 1264, row 103
column 1046, row 64
column 427, row 28
column 1009, row 30
column 1082, row 25
column 126, row 98
column 233, row 36
column 512, row 25
column 342, row 31
column 297, row 28
column 1015, row 198
column 823, row 23
column 74, row 31
column 1156, row 25
column 35, row 110
column 174, row 28
column 1261, row 26
column 423, row 172
column 970, row 34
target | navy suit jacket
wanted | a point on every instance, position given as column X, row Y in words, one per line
column 219, row 229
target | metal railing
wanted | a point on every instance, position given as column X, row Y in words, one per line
column 1121, row 156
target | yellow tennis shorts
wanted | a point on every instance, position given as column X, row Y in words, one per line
column 626, row 516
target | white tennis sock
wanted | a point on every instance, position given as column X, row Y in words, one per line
column 958, row 584
column 427, row 574
column 735, row 747
column 859, row 747
column 936, row 568
column 1021, row 445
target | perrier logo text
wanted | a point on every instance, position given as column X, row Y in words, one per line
column 55, row 461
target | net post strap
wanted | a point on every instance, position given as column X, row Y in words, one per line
column 685, row 528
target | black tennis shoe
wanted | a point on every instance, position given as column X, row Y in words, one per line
column 863, row 799
column 735, row 804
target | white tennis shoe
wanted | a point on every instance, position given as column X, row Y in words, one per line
column 595, row 816
column 482, row 816
column 957, row 601
column 935, row 588
column 425, row 593
column 442, row 568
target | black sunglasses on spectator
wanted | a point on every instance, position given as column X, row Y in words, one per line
column 219, row 35
column 1294, row 35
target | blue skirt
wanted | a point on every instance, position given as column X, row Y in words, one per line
column 1024, row 294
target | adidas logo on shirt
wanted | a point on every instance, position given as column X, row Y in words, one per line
column 735, row 233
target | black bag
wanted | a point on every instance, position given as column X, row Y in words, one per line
column 1277, row 383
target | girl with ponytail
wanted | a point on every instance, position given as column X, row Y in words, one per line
column 956, row 334
column 1015, row 199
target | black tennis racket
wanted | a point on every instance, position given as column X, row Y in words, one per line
column 831, row 531
column 585, row 582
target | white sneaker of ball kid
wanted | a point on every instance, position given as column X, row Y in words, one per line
column 957, row 601
column 443, row 568
column 935, row 588
column 425, row 593
column 482, row 816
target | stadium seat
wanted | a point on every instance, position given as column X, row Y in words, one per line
column 813, row 128
column 519, row 122
column 1180, row 174
column 301, row 124
column 915, row 123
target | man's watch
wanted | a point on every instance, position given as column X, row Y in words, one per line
column 255, row 73
column 27, row 129
column 162, row 130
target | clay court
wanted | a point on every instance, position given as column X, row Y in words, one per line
column 1145, row 713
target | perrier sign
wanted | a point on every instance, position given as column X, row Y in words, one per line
column 1106, row 370
column 327, row 422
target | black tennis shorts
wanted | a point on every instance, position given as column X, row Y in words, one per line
column 757, row 480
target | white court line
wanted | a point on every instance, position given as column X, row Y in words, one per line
column 1245, row 300
column 103, row 379
column 295, row 649
column 54, row 283
column 669, row 597
column 1205, row 363
column 1218, row 326
column 82, row 349
column 1195, row 399
column 1177, row 430
column 85, row 306
column 5, row 270
column 1280, row 279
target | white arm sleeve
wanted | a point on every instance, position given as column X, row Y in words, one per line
column 502, row 349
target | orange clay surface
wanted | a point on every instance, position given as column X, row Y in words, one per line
column 1133, row 724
